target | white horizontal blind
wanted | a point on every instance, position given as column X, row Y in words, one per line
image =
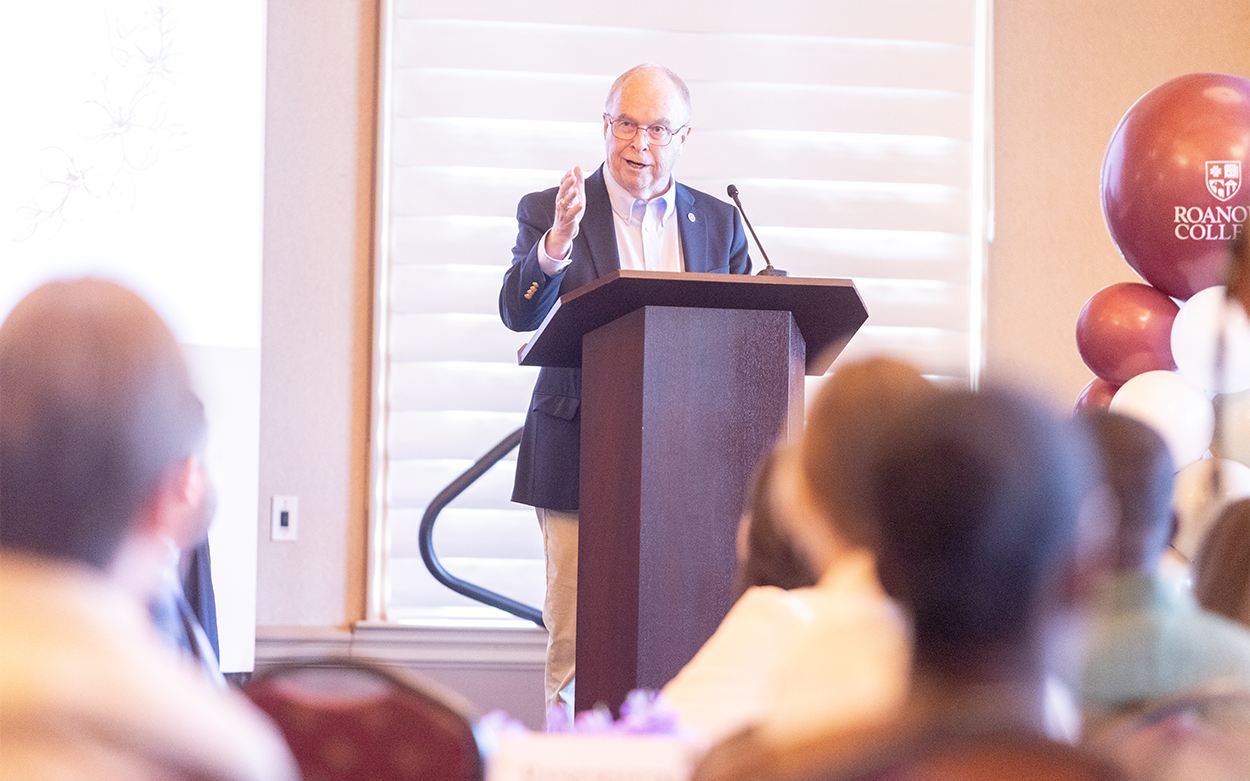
column 847, row 126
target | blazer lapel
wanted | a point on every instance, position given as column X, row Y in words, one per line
column 693, row 237
column 598, row 232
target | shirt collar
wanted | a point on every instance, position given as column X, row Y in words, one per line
column 623, row 202
column 1132, row 589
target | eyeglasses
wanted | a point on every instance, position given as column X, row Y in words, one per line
column 626, row 129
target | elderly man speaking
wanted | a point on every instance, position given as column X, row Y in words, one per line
column 629, row 214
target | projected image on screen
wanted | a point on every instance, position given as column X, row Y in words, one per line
column 121, row 130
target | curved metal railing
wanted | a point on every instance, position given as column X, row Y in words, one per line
column 425, row 536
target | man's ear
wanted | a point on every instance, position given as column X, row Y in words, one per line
column 175, row 517
column 682, row 135
column 181, row 509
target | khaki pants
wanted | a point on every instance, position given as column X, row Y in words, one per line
column 560, row 603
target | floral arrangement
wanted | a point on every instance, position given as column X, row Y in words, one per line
column 644, row 712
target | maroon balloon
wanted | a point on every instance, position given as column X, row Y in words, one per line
column 1175, row 188
column 1126, row 329
column 1097, row 394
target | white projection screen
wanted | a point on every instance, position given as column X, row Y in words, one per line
column 132, row 149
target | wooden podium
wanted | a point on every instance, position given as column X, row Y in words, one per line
column 687, row 379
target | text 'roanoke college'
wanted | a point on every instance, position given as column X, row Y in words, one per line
column 1221, row 223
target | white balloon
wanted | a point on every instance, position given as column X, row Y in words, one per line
column 1176, row 408
column 1195, row 333
column 1198, row 503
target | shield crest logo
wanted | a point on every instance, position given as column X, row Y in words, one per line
column 1223, row 178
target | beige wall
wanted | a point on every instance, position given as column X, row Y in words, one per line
column 1065, row 71
column 317, row 288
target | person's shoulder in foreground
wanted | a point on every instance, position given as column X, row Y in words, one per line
column 89, row 690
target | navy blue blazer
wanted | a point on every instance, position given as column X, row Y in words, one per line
column 713, row 241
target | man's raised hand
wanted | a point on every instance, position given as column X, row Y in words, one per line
column 570, row 205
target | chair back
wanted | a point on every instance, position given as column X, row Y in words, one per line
column 347, row 720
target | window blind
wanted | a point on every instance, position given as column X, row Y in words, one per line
column 851, row 130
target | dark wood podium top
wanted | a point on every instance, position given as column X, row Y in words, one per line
column 828, row 311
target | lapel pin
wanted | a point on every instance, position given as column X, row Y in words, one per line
column 690, row 216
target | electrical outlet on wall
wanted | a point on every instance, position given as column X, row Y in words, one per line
column 284, row 524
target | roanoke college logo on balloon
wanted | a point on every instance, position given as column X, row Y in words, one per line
column 1221, row 223
column 1223, row 178
column 1171, row 184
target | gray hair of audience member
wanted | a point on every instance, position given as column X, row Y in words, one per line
column 1137, row 469
column 845, row 428
column 772, row 557
column 682, row 90
column 98, row 410
column 979, row 498
column 1221, row 568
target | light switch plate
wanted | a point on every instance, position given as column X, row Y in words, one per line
column 284, row 524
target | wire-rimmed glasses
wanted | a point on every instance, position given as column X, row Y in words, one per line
column 626, row 129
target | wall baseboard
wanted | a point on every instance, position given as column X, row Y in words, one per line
column 494, row 668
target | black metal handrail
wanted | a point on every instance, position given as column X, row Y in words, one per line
column 425, row 536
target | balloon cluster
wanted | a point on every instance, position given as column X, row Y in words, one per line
column 1175, row 194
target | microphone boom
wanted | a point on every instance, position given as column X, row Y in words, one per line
column 768, row 270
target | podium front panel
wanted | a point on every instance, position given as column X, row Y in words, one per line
column 677, row 407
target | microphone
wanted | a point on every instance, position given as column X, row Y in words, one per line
column 768, row 270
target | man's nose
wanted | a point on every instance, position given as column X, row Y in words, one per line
column 642, row 140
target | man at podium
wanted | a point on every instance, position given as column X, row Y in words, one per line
column 629, row 214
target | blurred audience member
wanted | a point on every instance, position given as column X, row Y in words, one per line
column 790, row 662
column 835, row 523
column 767, row 555
column 99, row 485
column 1148, row 637
column 729, row 682
column 847, row 427
column 1221, row 568
column 978, row 502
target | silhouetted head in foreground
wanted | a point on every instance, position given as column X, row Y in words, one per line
column 978, row 496
column 98, row 427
